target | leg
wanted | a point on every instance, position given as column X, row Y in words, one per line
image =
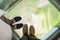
column 9, row 22
column 25, row 32
column 32, row 33
column 14, row 20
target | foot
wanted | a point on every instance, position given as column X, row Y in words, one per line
column 25, row 30
column 32, row 33
column 32, row 30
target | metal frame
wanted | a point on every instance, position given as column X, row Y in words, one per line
column 52, row 33
column 56, row 4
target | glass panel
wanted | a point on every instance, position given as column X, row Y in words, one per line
column 40, row 13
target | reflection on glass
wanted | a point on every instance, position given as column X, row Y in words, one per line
column 5, row 4
column 58, row 1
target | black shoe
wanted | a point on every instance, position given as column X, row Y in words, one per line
column 17, row 19
column 17, row 26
